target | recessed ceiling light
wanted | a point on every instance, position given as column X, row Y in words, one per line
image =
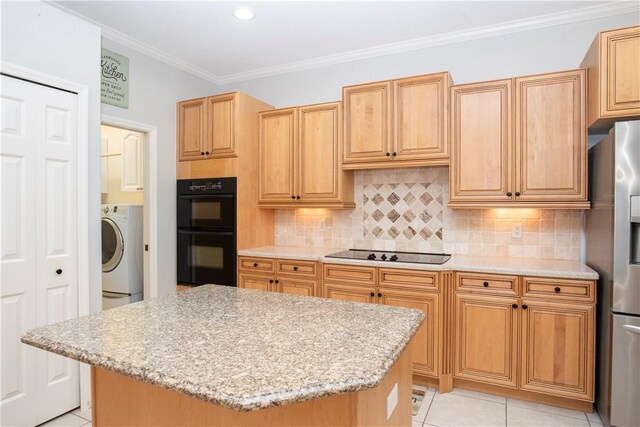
column 244, row 14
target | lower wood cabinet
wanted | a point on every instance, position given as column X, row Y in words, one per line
column 557, row 343
column 278, row 275
column 486, row 339
column 354, row 293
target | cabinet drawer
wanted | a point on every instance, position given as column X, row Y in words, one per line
column 262, row 265
column 487, row 284
column 414, row 279
column 559, row 289
column 297, row 268
column 349, row 274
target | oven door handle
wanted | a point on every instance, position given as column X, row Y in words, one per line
column 209, row 232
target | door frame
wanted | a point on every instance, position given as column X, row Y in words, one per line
column 150, row 195
column 82, row 173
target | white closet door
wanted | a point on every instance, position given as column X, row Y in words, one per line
column 56, row 242
column 17, row 252
column 39, row 237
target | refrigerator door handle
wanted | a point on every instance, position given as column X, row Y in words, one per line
column 631, row 328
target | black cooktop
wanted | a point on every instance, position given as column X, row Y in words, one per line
column 412, row 257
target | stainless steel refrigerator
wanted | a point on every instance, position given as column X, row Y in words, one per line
column 613, row 250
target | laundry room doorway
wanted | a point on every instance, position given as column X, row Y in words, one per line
column 128, row 186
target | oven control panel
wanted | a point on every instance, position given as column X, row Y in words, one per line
column 206, row 187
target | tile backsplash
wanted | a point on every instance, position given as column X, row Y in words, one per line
column 406, row 210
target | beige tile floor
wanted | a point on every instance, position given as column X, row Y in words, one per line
column 458, row 408
column 469, row 408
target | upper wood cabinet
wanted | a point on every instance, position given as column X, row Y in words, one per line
column 396, row 123
column 207, row 128
column 482, row 142
column 613, row 61
column 520, row 142
column 300, row 158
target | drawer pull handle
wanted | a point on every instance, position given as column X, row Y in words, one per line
column 525, row 306
column 295, row 268
column 255, row 264
column 557, row 289
column 486, row 284
column 372, row 294
column 514, row 305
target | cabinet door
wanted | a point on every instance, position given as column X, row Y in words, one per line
column 261, row 283
column 367, row 122
column 557, row 353
column 482, row 146
column 486, row 339
column 620, row 62
column 319, row 152
column 297, row 287
column 221, row 116
column 551, row 146
column 192, row 129
column 353, row 292
column 426, row 341
column 420, row 117
column 132, row 161
column 277, row 154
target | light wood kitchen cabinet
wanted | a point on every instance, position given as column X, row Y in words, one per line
column 192, row 131
column 486, row 339
column 397, row 123
column 207, row 127
column 482, row 142
column 520, row 143
column 613, row 61
column 349, row 292
column 278, row 275
column 426, row 345
column 132, row 167
column 300, row 158
column 557, row 348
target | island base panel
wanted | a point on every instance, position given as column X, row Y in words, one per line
column 119, row 400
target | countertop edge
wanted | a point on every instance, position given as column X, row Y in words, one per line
column 190, row 389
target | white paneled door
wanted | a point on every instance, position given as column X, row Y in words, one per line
column 38, row 256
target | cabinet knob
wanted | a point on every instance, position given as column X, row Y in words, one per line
column 394, row 154
column 525, row 306
column 297, row 197
column 277, row 281
column 379, row 294
column 372, row 294
column 270, row 280
column 514, row 305
column 293, row 197
column 557, row 289
column 388, row 154
column 59, row 271
column 295, row 268
column 485, row 284
column 517, row 193
column 207, row 153
column 202, row 153
column 255, row 264
column 509, row 193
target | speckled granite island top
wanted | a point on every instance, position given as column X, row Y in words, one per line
column 240, row 348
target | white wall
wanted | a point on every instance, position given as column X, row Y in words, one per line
column 42, row 38
column 154, row 89
column 531, row 52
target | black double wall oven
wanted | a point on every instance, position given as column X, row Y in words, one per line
column 207, row 231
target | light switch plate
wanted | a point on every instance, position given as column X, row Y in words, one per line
column 392, row 400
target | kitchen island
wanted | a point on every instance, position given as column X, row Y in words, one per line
column 218, row 355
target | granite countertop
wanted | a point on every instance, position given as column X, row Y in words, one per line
column 561, row 269
column 240, row 348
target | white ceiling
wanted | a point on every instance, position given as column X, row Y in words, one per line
column 204, row 36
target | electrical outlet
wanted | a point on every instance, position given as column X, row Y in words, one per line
column 516, row 231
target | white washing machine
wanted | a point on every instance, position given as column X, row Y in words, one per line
column 122, row 262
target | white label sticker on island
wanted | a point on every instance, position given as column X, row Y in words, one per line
column 392, row 400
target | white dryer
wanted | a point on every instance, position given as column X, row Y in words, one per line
column 122, row 263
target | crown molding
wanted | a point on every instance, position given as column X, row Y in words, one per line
column 510, row 27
